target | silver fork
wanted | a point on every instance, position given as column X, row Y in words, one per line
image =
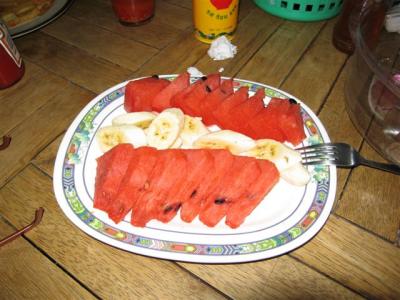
column 341, row 155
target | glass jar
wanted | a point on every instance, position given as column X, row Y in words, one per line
column 133, row 12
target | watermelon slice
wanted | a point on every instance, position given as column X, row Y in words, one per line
column 139, row 94
column 242, row 173
column 291, row 125
column 227, row 86
column 111, row 168
column 222, row 161
column 213, row 81
column 140, row 165
column 222, row 112
column 161, row 181
column 190, row 104
column 256, row 191
column 209, row 103
column 163, row 99
column 199, row 164
column 246, row 111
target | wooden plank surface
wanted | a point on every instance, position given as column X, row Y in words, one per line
column 93, row 73
column 107, row 271
column 50, row 119
column 38, row 278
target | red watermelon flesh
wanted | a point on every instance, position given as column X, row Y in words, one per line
column 239, row 210
column 227, row 86
column 200, row 165
column 291, row 125
column 243, row 172
column 222, row 161
column 163, row 178
column 265, row 125
column 190, row 104
column 111, row 170
column 247, row 110
column 139, row 94
column 213, row 81
column 209, row 103
column 181, row 96
column 140, row 165
column 163, row 99
column 222, row 112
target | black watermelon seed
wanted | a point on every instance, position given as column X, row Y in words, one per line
column 292, row 101
column 155, row 76
column 208, row 89
column 193, row 194
column 204, row 78
column 219, row 201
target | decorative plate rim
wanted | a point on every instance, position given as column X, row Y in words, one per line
column 265, row 247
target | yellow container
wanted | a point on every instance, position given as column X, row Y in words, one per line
column 214, row 18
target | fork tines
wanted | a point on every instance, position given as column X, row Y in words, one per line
column 318, row 154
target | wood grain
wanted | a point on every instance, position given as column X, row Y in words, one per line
column 274, row 60
column 36, row 276
column 372, row 199
column 100, row 42
column 312, row 78
column 93, row 73
column 172, row 19
column 278, row 278
column 360, row 260
column 16, row 101
column 107, row 271
column 49, row 121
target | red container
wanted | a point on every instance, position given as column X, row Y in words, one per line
column 11, row 65
column 133, row 12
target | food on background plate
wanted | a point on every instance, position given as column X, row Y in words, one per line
column 155, row 184
column 176, row 138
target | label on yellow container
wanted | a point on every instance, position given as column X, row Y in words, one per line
column 213, row 18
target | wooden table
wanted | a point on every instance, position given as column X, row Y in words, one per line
column 86, row 51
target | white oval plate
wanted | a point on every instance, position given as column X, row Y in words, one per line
column 287, row 218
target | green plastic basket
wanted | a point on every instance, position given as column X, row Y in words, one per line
column 301, row 10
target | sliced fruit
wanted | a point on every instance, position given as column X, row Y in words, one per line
column 190, row 104
column 139, row 119
column 225, row 139
column 239, row 210
column 280, row 154
column 265, row 125
column 292, row 126
column 111, row 168
column 297, row 175
column 193, row 128
column 247, row 110
column 222, row 113
column 163, row 99
column 110, row 136
column 140, row 93
column 242, row 173
column 213, row 81
column 209, row 104
column 165, row 128
column 227, row 86
column 139, row 168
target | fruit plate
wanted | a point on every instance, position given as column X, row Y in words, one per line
column 287, row 218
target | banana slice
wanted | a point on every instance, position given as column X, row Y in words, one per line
column 225, row 139
column 139, row 119
column 297, row 175
column 177, row 144
column 193, row 128
column 110, row 136
column 281, row 155
column 165, row 128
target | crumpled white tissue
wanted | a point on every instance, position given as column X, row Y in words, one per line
column 221, row 48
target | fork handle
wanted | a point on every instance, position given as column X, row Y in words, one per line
column 381, row 166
